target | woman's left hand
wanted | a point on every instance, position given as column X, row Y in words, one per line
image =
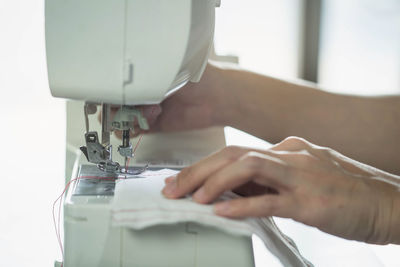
column 296, row 179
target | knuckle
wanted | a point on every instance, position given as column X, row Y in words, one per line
column 218, row 182
column 325, row 151
column 240, row 207
column 304, row 159
column 211, row 189
column 253, row 160
column 295, row 141
column 212, row 186
column 232, row 152
column 269, row 207
column 184, row 174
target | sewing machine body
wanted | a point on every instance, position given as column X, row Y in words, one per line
column 91, row 241
column 126, row 52
column 131, row 52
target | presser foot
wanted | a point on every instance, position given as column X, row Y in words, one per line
column 115, row 168
column 133, row 171
column 110, row 167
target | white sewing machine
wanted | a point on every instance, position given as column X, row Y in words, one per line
column 129, row 52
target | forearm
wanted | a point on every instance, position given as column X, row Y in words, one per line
column 364, row 128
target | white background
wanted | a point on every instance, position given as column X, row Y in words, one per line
column 32, row 139
column 263, row 33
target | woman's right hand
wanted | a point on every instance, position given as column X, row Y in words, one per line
column 297, row 179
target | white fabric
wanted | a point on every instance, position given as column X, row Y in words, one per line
column 138, row 203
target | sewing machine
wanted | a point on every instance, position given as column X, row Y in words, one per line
column 126, row 53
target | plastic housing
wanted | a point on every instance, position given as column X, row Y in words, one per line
column 126, row 52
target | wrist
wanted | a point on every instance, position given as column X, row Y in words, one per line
column 380, row 216
column 387, row 215
column 225, row 105
column 394, row 234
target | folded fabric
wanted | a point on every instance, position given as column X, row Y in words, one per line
column 138, row 204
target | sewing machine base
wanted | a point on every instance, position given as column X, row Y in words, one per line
column 91, row 241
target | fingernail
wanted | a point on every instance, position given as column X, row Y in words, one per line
column 169, row 179
column 200, row 195
column 222, row 208
column 170, row 189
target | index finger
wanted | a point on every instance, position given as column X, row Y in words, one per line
column 192, row 177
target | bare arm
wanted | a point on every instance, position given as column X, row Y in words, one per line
column 295, row 179
column 363, row 128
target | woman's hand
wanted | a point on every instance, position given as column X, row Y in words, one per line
column 197, row 105
column 296, row 179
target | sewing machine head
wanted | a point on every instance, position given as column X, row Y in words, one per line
column 124, row 53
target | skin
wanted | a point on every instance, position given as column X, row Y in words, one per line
column 363, row 128
column 296, row 179
column 315, row 185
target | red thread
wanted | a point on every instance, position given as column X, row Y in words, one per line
column 137, row 144
column 60, row 199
